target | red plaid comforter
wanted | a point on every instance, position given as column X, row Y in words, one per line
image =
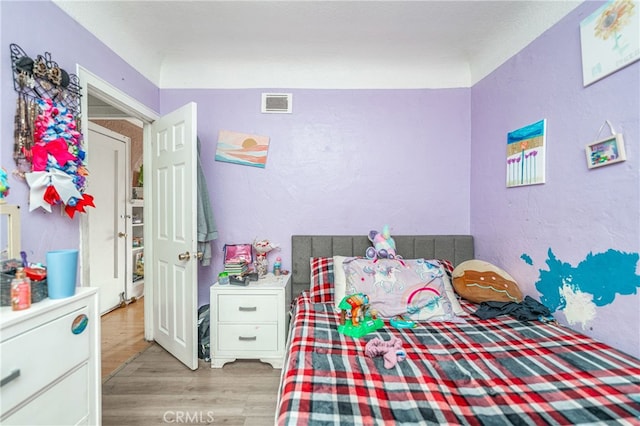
column 486, row 372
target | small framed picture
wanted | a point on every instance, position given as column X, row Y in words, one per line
column 138, row 193
column 606, row 151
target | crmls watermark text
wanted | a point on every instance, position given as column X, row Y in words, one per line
column 188, row 417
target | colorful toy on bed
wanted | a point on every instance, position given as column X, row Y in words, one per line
column 400, row 322
column 356, row 319
column 383, row 245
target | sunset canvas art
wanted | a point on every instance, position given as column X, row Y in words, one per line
column 242, row 148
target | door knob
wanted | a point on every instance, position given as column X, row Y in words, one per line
column 199, row 255
column 122, row 234
column 184, row 256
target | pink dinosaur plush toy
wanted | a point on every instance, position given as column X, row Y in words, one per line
column 391, row 350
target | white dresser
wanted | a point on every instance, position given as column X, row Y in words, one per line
column 50, row 362
column 250, row 322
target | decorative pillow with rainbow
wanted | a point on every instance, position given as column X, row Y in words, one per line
column 411, row 287
column 479, row 281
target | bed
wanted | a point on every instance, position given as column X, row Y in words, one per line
column 486, row 372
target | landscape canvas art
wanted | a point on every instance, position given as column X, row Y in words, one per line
column 242, row 148
column 526, row 155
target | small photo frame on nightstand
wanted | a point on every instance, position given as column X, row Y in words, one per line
column 605, row 151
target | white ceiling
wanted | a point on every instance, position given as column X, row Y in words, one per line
column 316, row 44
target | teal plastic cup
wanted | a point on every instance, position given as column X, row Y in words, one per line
column 62, row 267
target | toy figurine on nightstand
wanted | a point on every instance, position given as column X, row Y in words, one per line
column 263, row 247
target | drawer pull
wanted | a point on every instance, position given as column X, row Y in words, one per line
column 12, row 376
column 79, row 324
column 247, row 339
column 247, row 308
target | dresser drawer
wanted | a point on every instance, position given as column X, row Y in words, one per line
column 53, row 407
column 247, row 309
column 41, row 355
column 247, row 337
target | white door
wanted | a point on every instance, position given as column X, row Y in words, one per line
column 107, row 224
column 174, row 239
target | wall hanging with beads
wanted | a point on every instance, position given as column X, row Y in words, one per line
column 48, row 148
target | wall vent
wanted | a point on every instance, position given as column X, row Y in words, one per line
column 275, row 103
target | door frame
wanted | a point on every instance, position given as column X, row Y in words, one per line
column 90, row 83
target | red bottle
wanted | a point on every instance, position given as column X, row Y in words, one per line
column 20, row 291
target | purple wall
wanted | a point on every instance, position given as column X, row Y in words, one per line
column 578, row 211
column 69, row 44
column 344, row 162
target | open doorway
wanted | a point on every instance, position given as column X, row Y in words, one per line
column 109, row 101
column 116, row 240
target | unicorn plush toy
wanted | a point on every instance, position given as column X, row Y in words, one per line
column 383, row 245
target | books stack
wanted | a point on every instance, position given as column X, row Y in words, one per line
column 236, row 267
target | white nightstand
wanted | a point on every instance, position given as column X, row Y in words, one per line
column 250, row 322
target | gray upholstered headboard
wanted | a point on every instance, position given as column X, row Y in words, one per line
column 455, row 248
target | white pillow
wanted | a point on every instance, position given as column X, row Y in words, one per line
column 339, row 280
column 452, row 296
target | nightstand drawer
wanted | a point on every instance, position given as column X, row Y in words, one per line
column 247, row 337
column 247, row 309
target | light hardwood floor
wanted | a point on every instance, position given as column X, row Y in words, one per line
column 122, row 336
column 153, row 388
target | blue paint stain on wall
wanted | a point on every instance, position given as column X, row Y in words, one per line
column 602, row 275
column 526, row 258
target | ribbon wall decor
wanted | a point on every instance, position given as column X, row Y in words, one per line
column 48, row 148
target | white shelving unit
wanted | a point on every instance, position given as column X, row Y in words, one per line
column 136, row 257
